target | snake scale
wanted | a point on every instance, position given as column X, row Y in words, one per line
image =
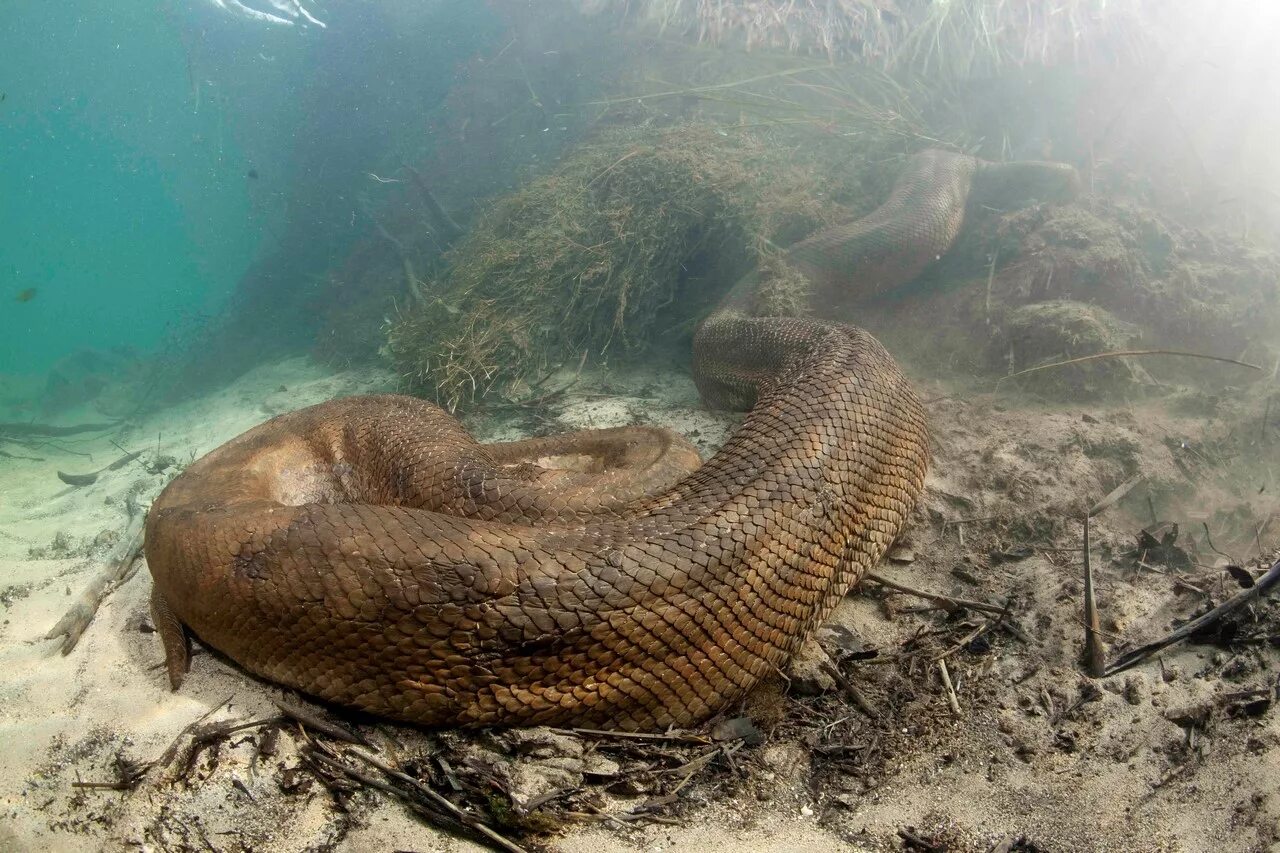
column 369, row 552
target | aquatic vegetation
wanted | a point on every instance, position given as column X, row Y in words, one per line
column 1045, row 332
column 510, row 114
column 613, row 167
column 1183, row 286
column 943, row 39
column 1056, row 282
column 635, row 231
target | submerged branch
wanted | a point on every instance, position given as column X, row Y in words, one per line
column 1126, row 354
column 92, row 476
column 947, row 602
column 1095, row 649
column 117, row 573
column 1262, row 586
column 449, row 229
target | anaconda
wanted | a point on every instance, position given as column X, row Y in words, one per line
column 369, row 552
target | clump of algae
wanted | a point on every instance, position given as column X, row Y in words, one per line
column 591, row 257
column 1046, row 332
column 781, row 289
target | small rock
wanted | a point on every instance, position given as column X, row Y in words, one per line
column 548, row 764
column 901, row 554
column 1136, row 689
column 295, row 780
column 600, row 767
column 739, row 728
column 788, row 761
column 806, row 673
column 542, row 743
column 1196, row 714
column 1012, row 554
column 838, row 636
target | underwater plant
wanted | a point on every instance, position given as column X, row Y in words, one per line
column 945, row 40
column 637, row 230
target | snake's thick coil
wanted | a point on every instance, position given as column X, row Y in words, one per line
column 369, row 552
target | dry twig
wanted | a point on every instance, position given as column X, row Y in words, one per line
column 312, row 721
column 439, row 801
column 1126, row 354
column 19, row 430
column 855, row 695
column 952, row 699
column 1117, row 494
column 947, row 602
column 671, row 737
column 1095, row 650
column 92, row 477
column 166, row 758
column 1261, row 587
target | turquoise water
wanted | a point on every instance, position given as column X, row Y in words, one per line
column 188, row 194
column 152, row 150
column 123, row 205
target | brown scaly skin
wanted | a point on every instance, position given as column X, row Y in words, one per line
column 917, row 224
column 369, row 552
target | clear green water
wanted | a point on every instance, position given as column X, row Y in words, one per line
column 150, row 150
column 122, row 204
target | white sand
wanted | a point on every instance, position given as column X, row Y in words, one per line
column 996, row 770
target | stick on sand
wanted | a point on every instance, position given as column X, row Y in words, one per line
column 1262, row 587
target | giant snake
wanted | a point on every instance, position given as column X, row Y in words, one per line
column 369, row 552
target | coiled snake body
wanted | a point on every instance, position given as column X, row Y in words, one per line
column 369, row 552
